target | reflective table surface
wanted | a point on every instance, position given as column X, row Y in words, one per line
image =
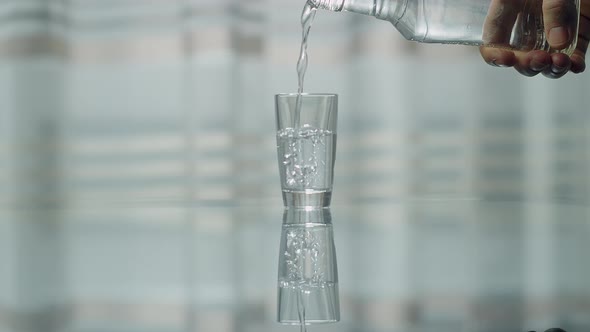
column 406, row 265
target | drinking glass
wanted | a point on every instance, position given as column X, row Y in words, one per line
column 306, row 146
column 308, row 275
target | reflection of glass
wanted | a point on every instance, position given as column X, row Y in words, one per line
column 308, row 275
column 306, row 144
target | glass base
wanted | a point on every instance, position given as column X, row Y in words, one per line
column 307, row 199
column 308, row 303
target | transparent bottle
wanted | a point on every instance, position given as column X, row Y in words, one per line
column 514, row 24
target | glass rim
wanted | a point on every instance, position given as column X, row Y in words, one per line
column 305, row 94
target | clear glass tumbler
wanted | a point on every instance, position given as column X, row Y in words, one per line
column 306, row 145
column 308, row 275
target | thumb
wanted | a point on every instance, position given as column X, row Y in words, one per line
column 560, row 17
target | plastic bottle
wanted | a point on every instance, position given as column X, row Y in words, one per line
column 514, row 24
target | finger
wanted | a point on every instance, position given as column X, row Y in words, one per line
column 578, row 58
column 559, row 18
column 532, row 63
column 500, row 21
column 560, row 65
column 579, row 55
column 498, row 57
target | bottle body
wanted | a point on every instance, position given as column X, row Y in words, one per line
column 514, row 24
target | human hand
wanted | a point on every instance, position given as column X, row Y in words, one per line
column 559, row 29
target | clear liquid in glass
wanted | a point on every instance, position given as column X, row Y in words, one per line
column 306, row 160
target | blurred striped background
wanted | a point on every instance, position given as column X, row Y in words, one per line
column 139, row 187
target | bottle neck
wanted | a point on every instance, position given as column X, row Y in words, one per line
column 333, row 5
column 390, row 10
column 365, row 7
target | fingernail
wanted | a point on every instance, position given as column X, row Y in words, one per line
column 496, row 64
column 559, row 36
column 557, row 69
column 538, row 66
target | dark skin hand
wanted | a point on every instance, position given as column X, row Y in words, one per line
column 560, row 31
